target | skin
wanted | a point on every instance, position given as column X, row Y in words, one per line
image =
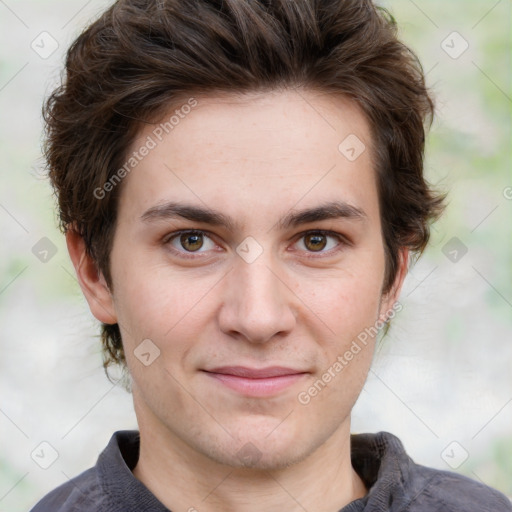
column 256, row 159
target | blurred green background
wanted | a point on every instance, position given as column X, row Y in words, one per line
column 442, row 378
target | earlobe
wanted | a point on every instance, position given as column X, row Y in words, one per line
column 91, row 280
column 391, row 297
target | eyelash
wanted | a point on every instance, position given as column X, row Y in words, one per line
column 342, row 242
column 185, row 254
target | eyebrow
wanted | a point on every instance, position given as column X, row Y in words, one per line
column 173, row 210
column 332, row 210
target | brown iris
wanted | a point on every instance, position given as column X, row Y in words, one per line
column 191, row 241
column 315, row 241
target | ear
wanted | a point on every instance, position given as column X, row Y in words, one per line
column 91, row 280
column 391, row 297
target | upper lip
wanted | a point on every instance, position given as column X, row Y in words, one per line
column 255, row 373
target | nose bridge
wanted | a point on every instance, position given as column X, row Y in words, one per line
column 260, row 285
column 257, row 304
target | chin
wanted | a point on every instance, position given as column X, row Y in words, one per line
column 273, row 445
column 249, row 456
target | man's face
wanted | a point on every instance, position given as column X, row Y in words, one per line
column 282, row 268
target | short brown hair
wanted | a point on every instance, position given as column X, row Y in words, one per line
column 142, row 56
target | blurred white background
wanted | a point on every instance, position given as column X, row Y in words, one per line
column 442, row 378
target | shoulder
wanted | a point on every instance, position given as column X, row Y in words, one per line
column 80, row 493
column 398, row 484
column 434, row 490
column 93, row 489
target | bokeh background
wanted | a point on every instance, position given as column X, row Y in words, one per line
column 442, row 377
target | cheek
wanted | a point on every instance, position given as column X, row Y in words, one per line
column 346, row 302
column 350, row 311
column 158, row 304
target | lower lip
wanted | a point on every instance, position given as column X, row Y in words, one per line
column 257, row 387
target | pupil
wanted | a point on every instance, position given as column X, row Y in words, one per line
column 191, row 242
column 316, row 242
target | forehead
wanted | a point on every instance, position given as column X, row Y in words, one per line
column 239, row 151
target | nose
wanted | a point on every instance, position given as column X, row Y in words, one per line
column 257, row 305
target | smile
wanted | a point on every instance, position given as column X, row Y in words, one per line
column 257, row 383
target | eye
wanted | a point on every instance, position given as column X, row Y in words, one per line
column 190, row 241
column 319, row 241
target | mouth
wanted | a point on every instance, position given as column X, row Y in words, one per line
column 256, row 381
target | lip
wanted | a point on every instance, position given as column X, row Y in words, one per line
column 256, row 373
column 256, row 381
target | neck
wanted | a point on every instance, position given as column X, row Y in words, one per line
column 185, row 480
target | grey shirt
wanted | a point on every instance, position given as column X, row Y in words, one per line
column 395, row 483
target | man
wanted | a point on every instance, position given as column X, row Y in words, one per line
column 241, row 187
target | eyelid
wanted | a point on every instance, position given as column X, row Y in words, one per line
column 343, row 241
column 183, row 253
column 169, row 236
